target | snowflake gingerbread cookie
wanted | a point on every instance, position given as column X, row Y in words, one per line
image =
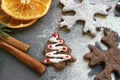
column 110, row 58
column 57, row 53
column 83, row 11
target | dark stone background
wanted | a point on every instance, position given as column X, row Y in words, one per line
column 38, row 34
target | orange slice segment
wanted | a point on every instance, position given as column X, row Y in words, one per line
column 14, row 23
column 26, row 9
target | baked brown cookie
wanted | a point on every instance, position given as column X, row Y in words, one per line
column 57, row 53
column 110, row 58
column 117, row 7
column 84, row 11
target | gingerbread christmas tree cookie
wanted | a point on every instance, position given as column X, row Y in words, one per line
column 83, row 11
column 57, row 53
column 110, row 58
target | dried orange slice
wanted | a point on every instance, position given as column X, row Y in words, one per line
column 14, row 23
column 26, row 9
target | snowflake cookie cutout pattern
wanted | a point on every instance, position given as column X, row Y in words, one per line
column 57, row 53
column 83, row 11
column 110, row 57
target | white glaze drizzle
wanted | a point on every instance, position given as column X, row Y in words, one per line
column 118, row 3
column 56, row 58
column 53, row 57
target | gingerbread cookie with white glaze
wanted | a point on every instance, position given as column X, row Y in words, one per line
column 57, row 53
column 84, row 11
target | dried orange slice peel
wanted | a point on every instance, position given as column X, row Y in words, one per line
column 26, row 9
column 14, row 23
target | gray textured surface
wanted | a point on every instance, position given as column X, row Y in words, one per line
column 37, row 35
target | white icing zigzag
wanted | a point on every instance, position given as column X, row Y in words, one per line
column 53, row 57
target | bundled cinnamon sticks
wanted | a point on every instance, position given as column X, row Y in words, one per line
column 18, row 49
column 16, row 43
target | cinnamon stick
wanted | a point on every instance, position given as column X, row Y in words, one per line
column 23, row 57
column 16, row 43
